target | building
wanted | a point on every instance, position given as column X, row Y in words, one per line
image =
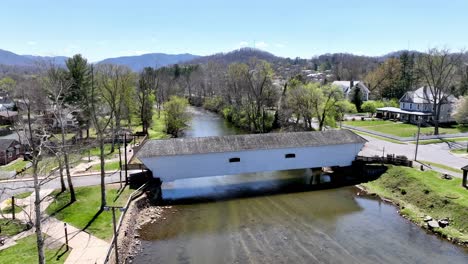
column 419, row 103
column 8, row 117
column 349, row 86
column 10, row 150
column 181, row 158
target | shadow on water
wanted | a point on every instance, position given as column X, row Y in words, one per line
column 223, row 188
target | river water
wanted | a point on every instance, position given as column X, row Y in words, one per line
column 270, row 218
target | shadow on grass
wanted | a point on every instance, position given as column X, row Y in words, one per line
column 59, row 255
column 61, row 208
column 92, row 220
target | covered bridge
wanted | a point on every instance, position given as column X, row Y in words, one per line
column 182, row 158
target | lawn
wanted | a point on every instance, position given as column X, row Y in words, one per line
column 9, row 209
column 10, row 227
column 96, row 151
column 85, row 213
column 14, row 166
column 377, row 137
column 459, row 151
column 157, row 129
column 442, row 140
column 420, row 193
column 442, row 166
column 23, row 195
column 108, row 166
column 25, row 251
column 403, row 129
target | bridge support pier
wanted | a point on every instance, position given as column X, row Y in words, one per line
column 314, row 177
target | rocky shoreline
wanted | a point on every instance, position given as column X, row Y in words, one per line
column 428, row 223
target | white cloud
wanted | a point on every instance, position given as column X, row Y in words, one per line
column 261, row 45
column 31, row 43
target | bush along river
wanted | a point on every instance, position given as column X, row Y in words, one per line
column 270, row 218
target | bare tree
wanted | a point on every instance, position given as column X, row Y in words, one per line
column 437, row 70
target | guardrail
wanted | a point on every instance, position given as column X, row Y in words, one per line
column 137, row 193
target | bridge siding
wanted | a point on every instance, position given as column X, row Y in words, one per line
column 170, row 168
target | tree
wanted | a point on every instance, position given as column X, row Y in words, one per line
column 356, row 98
column 325, row 100
column 384, row 81
column 437, row 69
column 343, row 107
column 101, row 116
column 147, row 84
column 57, row 85
column 461, row 110
column 369, row 107
column 117, row 87
column 35, row 137
column 7, row 84
column 176, row 115
column 79, row 76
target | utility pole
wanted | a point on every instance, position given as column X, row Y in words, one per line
column 108, row 208
column 417, row 138
column 125, row 144
column 120, row 160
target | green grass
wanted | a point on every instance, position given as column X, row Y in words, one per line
column 420, row 193
column 11, row 227
column 442, row 140
column 23, row 195
column 157, row 129
column 84, row 213
column 25, row 251
column 9, row 209
column 378, row 137
column 403, row 129
column 108, row 166
column 14, row 166
column 441, row 166
column 96, row 151
column 459, row 151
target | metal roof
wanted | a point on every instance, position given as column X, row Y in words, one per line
column 233, row 143
column 465, row 168
column 399, row 111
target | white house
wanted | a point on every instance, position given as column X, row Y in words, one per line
column 349, row 86
column 420, row 103
column 182, row 158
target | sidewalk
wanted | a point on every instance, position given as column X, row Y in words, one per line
column 84, row 247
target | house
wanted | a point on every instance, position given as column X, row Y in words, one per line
column 349, row 86
column 10, row 150
column 419, row 103
column 6, row 103
column 8, row 117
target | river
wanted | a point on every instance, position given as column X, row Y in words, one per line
column 269, row 218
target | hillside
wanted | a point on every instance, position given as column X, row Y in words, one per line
column 137, row 63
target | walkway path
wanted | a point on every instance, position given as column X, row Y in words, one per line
column 85, row 248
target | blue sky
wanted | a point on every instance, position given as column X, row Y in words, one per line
column 100, row 29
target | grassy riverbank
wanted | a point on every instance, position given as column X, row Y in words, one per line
column 420, row 193
column 85, row 213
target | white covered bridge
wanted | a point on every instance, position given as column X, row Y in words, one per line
column 183, row 158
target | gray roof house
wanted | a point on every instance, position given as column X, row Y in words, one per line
column 349, row 86
column 420, row 102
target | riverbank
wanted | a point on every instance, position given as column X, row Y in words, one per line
column 421, row 196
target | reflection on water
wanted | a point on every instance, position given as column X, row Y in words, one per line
column 272, row 218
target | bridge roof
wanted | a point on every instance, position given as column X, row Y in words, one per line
column 234, row 143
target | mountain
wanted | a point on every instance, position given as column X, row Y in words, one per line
column 242, row 55
column 10, row 58
column 58, row 60
column 13, row 59
column 137, row 63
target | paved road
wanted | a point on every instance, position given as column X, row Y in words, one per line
column 7, row 189
column 438, row 153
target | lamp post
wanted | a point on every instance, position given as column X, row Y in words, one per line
column 120, row 208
